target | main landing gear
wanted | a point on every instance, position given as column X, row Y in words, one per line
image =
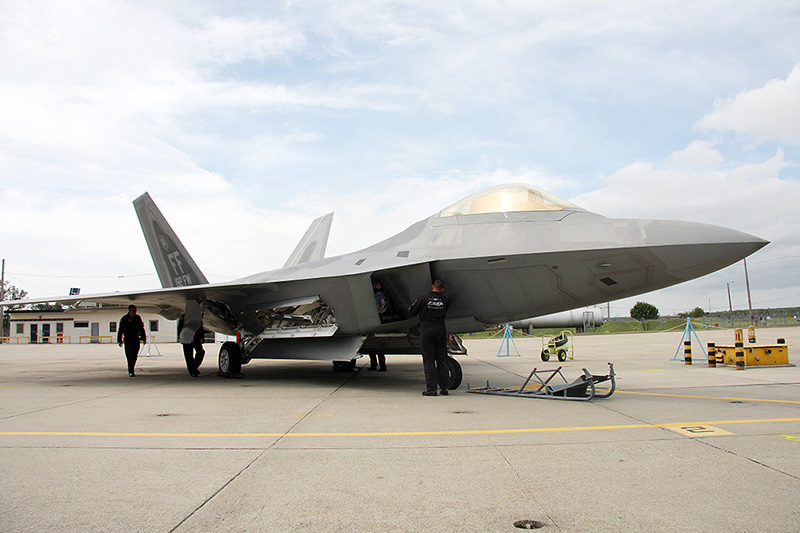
column 230, row 359
column 344, row 366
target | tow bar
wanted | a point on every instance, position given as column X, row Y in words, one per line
column 583, row 388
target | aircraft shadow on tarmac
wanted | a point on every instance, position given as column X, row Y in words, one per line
column 402, row 375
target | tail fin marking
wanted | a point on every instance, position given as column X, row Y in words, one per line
column 174, row 265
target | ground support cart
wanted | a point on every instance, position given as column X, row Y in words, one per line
column 560, row 346
column 582, row 388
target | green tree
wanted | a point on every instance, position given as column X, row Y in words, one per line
column 10, row 292
column 48, row 307
column 697, row 312
column 644, row 311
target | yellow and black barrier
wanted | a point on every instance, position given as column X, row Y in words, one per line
column 739, row 349
column 687, row 352
column 712, row 354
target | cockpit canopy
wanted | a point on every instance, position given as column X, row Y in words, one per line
column 507, row 198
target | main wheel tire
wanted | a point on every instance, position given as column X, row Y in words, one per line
column 230, row 359
column 545, row 355
column 454, row 369
column 562, row 355
column 344, row 366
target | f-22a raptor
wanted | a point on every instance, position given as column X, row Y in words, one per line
column 507, row 253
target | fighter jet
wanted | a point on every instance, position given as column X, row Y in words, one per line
column 507, row 253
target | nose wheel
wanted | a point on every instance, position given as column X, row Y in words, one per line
column 454, row 369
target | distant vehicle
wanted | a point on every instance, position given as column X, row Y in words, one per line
column 507, row 253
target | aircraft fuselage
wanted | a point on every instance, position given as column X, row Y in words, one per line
column 501, row 267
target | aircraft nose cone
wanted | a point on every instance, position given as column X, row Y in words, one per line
column 692, row 249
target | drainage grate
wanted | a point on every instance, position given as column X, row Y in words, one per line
column 528, row 524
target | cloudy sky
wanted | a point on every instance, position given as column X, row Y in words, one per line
column 247, row 119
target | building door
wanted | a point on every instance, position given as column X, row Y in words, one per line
column 95, row 332
column 34, row 333
column 45, row 332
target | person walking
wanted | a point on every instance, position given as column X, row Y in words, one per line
column 131, row 332
column 432, row 308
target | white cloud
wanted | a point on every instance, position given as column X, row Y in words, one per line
column 233, row 40
column 739, row 197
column 770, row 113
column 753, row 198
column 698, row 154
column 247, row 120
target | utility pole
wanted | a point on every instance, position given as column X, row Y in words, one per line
column 730, row 307
column 2, row 298
column 747, row 282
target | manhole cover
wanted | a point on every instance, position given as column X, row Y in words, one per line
column 528, row 524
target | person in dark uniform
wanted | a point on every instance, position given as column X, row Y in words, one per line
column 432, row 308
column 131, row 332
column 376, row 359
column 193, row 361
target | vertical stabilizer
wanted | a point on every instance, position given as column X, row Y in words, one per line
column 312, row 246
column 174, row 265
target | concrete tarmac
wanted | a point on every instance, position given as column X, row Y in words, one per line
column 294, row 446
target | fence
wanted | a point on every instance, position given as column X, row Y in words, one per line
column 95, row 337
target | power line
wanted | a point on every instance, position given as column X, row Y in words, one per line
column 80, row 277
column 775, row 259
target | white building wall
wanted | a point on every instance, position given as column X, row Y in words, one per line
column 85, row 325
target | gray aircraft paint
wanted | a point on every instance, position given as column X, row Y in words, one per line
column 498, row 267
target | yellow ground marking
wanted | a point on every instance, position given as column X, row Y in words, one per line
column 670, row 425
column 698, row 431
column 705, row 397
column 790, row 437
column 142, row 359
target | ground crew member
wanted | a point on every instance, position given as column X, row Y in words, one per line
column 193, row 360
column 432, row 308
column 377, row 361
column 131, row 330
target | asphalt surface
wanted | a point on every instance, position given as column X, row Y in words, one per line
column 294, row 446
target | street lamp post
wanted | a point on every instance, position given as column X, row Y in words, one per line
column 730, row 307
